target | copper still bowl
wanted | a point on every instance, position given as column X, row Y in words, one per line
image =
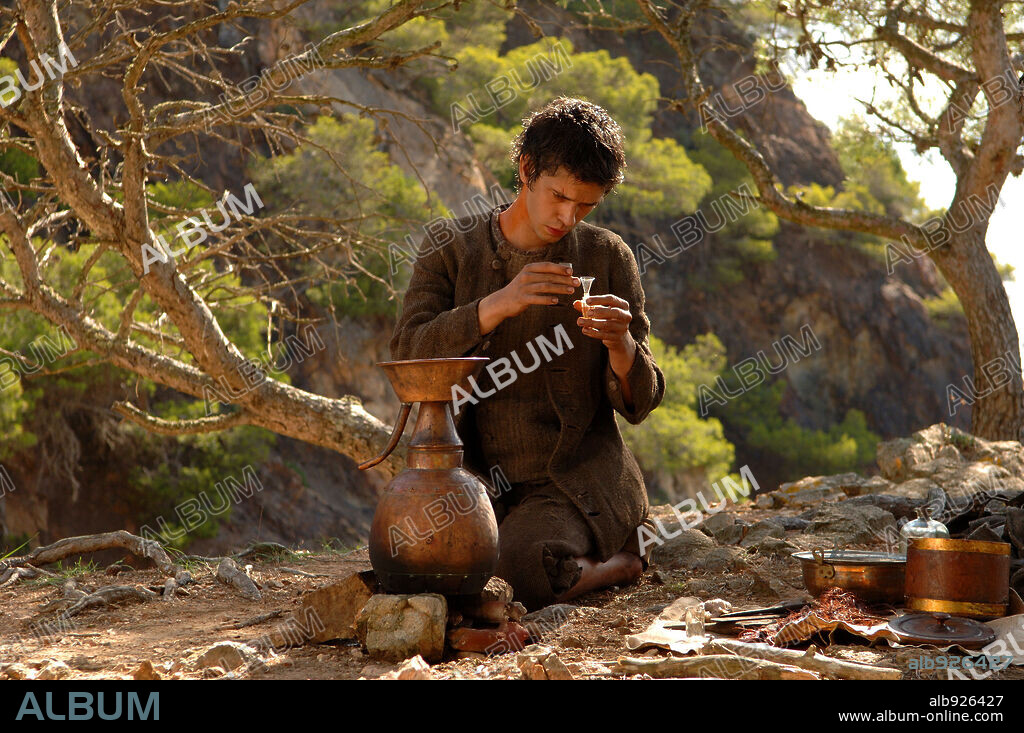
column 874, row 577
column 959, row 577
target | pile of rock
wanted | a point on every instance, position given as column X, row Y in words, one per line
column 399, row 627
column 973, row 486
column 915, row 468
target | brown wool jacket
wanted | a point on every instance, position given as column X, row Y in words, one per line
column 458, row 266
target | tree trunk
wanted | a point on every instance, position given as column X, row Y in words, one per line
column 997, row 396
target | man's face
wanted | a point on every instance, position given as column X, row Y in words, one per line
column 557, row 202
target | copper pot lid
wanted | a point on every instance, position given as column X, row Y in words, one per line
column 941, row 629
column 851, row 557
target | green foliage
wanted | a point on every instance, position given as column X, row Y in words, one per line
column 342, row 171
column 454, row 28
column 945, row 309
column 743, row 242
column 179, row 194
column 875, row 182
column 874, row 170
column 62, row 574
column 673, row 438
column 186, row 465
column 756, row 417
column 169, row 472
column 661, row 180
column 604, row 12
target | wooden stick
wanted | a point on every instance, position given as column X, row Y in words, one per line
column 256, row 620
column 811, row 659
column 727, row 666
column 302, row 573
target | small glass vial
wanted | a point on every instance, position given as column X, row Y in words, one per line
column 921, row 527
column 694, row 619
column 586, row 281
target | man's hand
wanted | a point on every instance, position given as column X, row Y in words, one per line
column 609, row 321
column 538, row 283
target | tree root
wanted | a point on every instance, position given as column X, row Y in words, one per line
column 229, row 573
column 13, row 575
column 94, row 543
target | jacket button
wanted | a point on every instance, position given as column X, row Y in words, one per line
column 612, row 384
column 496, row 264
column 486, row 345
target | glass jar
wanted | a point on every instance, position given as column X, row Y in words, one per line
column 920, row 528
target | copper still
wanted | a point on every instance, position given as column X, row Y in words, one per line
column 434, row 530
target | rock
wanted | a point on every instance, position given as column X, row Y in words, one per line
column 497, row 590
column 847, row 524
column 1015, row 529
column 491, row 605
column 85, row 663
column 773, row 547
column 899, row 506
column 949, row 452
column 889, row 456
column 984, row 533
column 740, row 583
column 539, row 662
column 548, row 619
column 958, row 462
column 397, row 627
column 762, row 530
column 767, row 501
column 875, row 485
column 918, row 488
column 590, row 668
column 816, row 489
column 571, row 641
column 53, row 670
column 374, row 671
column 724, row 528
column 227, row 654
column 145, row 671
column 687, row 549
column 336, row 606
column 18, row 672
column 791, row 524
column 721, row 559
column 715, row 607
column 411, row 669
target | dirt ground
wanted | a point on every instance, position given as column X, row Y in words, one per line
column 111, row 642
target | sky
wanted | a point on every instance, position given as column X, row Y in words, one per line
column 830, row 97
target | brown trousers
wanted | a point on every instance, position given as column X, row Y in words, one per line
column 540, row 533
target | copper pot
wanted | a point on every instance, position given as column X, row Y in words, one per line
column 959, row 577
column 434, row 530
column 874, row 577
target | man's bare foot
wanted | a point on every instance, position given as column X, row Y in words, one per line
column 621, row 568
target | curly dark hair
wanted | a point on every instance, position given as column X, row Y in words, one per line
column 575, row 134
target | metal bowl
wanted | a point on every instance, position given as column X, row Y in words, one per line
column 874, row 577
